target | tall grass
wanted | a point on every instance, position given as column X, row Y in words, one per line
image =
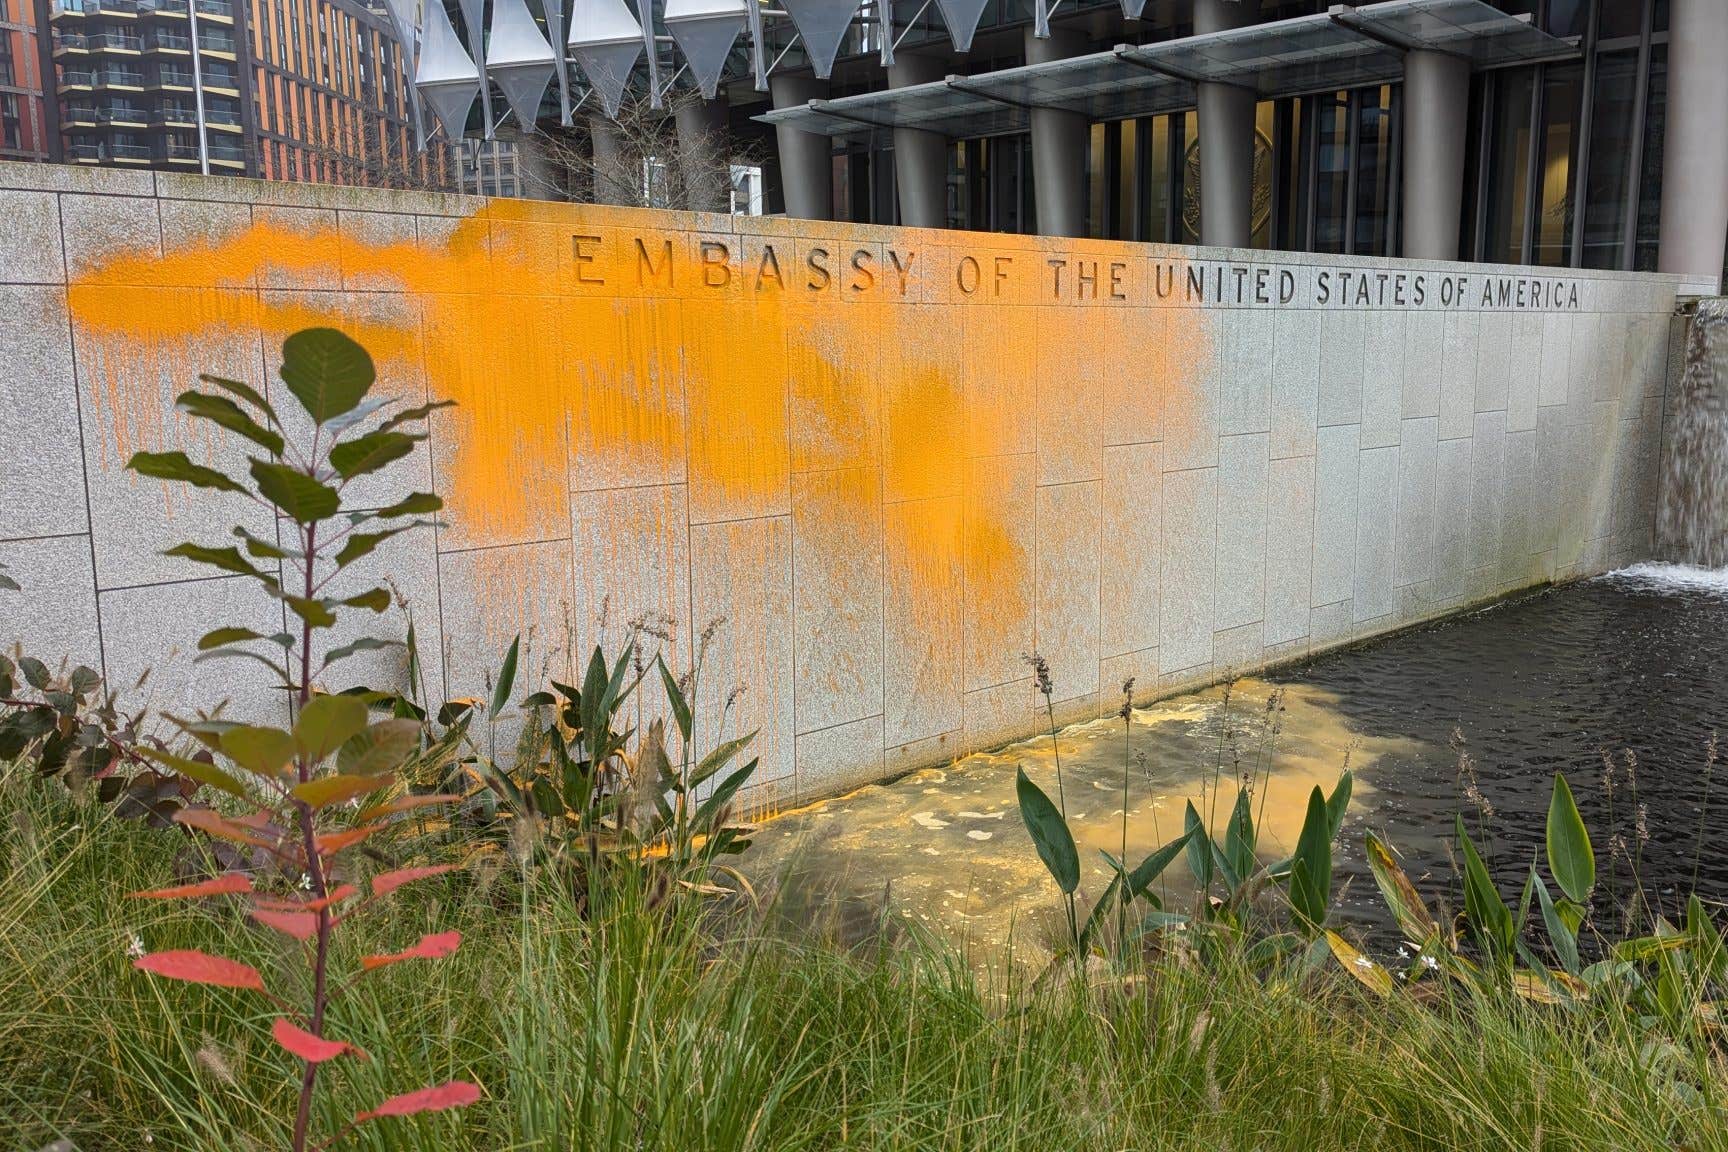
column 660, row 1030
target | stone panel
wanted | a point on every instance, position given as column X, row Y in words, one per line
column 1494, row 362
column 1343, row 343
column 1189, row 562
column 1245, row 400
column 1070, row 396
column 631, row 562
column 922, row 598
column 1424, row 349
column 837, row 596
column 1132, row 543
column 518, row 590
column 1335, row 488
column 1487, row 488
column 1295, row 382
column 42, row 463
column 1068, row 580
column 1458, row 375
column 53, row 615
column 1452, row 483
column 1241, row 579
column 1383, row 380
column 1289, row 548
column 1417, row 461
column 1376, row 533
column 1525, row 373
column 155, row 629
column 95, row 229
column 830, row 759
column 1556, row 358
column 1000, row 549
column 741, row 577
column 735, row 397
column 30, row 251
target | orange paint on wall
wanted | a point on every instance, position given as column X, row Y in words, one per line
column 587, row 352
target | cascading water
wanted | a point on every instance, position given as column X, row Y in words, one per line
column 1692, row 520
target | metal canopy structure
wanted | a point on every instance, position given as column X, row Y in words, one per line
column 821, row 25
column 519, row 59
column 1346, row 47
column 705, row 31
column 605, row 41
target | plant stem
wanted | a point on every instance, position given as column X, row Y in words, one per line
column 314, row 866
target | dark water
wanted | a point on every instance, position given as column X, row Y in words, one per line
column 1629, row 667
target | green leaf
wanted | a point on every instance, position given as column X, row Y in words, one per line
column 36, row 673
column 369, row 453
column 360, row 544
column 315, row 612
column 1489, row 919
column 263, row 549
column 363, row 644
column 224, row 412
column 1565, row 941
column 1339, row 803
column 262, row 751
column 300, row 498
column 417, row 413
column 199, row 770
column 377, row 599
column 1569, row 856
column 413, row 504
column 1105, row 902
column 709, row 810
column 1153, row 866
column 227, row 559
column 340, row 424
column 675, row 697
column 326, row 371
column 378, row 748
column 337, row 789
column 1050, row 833
column 326, row 723
column 1200, row 850
column 218, row 637
column 719, row 758
column 506, row 679
column 245, row 391
column 1311, row 863
column 176, row 466
column 1239, row 838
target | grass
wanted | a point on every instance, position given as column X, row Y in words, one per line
column 645, row 1031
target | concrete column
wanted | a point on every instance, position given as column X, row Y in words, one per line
column 1226, row 137
column 704, row 152
column 806, row 158
column 1058, row 145
column 612, row 182
column 920, row 157
column 1436, row 104
column 1695, row 154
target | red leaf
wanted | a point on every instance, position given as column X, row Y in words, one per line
column 387, row 882
column 223, row 885
column 310, row 1048
column 456, row 1094
column 300, row 925
column 337, row 841
column 201, row 968
column 338, row 894
column 433, row 947
column 212, row 824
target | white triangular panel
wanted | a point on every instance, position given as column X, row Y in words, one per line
column 822, row 25
column 1131, row 9
column 445, row 76
column 608, row 68
column 705, row 31
column 602, row 22
column 961, row 16
column 519, row 58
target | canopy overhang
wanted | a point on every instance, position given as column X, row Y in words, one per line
column 1345, row 47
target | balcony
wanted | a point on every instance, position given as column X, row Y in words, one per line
column 166, row 40
column 68, row 42
column 116, row 42
column 174, row 78
column 84, row 152
column 127, row 9
column 216, row 42
column 76, row 78
column 129, row 152
column 220, row 9
column 173, row 150
column 118, row 78
column 172, row 116
column 222, row 118
column 162, row 7
column 123, row 114
column 78, row 116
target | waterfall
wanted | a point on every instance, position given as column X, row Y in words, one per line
column 1692, row 521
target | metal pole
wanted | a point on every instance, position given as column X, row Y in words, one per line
column 198, row 90
column 1635, row 163
column 1586, row 118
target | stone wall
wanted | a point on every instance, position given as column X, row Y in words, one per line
column 887, row 461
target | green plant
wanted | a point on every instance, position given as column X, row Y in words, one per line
column 598, row 794
column 302, row 782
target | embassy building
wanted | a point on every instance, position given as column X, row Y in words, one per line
column 1551, row 133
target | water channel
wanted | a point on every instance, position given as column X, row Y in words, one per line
column 1617, row 682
